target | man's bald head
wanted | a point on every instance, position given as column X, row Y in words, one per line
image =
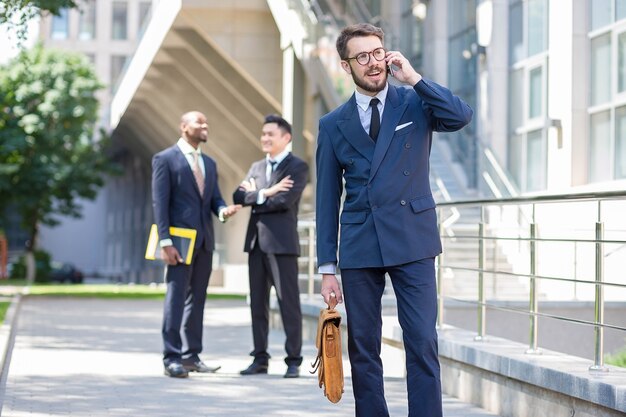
column 194, row 128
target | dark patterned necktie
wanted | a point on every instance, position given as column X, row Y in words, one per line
column 375, row 121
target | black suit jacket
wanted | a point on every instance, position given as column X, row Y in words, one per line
column 176, row 197
column 273, row 224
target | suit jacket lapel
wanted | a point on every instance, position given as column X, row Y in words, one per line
column 352, row 129
column 392, row 113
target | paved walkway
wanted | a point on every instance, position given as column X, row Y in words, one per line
column 95, row 357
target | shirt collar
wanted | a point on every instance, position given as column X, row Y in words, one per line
column 363, row 101
column 186, row 148
column 279, row 158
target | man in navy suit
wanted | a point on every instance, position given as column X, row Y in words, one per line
column 379, row 143
column 272, row 188
column 184, row 194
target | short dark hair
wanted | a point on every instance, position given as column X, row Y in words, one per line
column 354, row 31
column 282, row 123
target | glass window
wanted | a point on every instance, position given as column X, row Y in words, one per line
column 537, row 26
column 515, row 159
column 601, row 69
column 120, row 20
column 535, row 161
column 599, row 168
column 60, row 25
column 601, row 12
column 462, row 62
column 87, row 20
column 536, row 93
column 462, row 15
column 516, row 100
column 516, row 34
column 145, row 12
column 620, row 9
column 117, row 66
column 621, row 66
column 620, row 142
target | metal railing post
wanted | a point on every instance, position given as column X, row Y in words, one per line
column 598, row 363
column 440, row 274
column 534, row 303
column 311, row 263
column 481, row 276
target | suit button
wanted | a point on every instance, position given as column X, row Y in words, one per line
column 407, row 145
column 402, row 203
column 351, row 161
column 406, row 173
column 374, row 208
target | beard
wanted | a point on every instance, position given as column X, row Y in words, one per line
column 369, row 86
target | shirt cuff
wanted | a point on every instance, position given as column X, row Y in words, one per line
column 328, row 268
column 166, row 242
column 260, row 197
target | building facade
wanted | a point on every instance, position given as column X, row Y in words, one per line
column 546, row 79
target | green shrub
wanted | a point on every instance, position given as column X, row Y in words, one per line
column 42, row 263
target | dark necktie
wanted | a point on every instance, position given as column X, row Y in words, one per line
column 375, row 121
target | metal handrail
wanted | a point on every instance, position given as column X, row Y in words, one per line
column 534, row 276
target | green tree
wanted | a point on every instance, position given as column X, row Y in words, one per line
column 16, row 14
column 49, row 156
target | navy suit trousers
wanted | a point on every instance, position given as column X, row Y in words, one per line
column 415, row 288
column 183, row 311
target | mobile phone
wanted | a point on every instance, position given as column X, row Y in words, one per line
column 389, row 70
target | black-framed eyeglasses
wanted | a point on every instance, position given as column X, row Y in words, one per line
column 363, row 58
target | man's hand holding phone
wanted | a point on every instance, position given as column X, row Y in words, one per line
column 403, row 71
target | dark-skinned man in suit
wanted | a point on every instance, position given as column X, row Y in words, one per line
column 272, row 188
column 378, row 144
column 185, row 194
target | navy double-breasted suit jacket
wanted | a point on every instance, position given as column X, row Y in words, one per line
column 388, row 215
column 176, row 197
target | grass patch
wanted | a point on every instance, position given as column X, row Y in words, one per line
column 113, row 291
column 619, row 359
column 4, row 306
column 19, row 282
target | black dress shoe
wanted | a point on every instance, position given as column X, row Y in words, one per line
column 293, row 371
column 199, row 366
column 175, row 370
column 254, row 369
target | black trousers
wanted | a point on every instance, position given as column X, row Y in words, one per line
column 184, row 307
column 281, row 271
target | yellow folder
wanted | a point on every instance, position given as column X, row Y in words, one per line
column 183, row 239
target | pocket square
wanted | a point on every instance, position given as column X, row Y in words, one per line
column 403, row 125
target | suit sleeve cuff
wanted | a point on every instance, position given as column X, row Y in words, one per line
column 328, row 268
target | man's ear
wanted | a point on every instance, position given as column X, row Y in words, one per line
column 346, row 67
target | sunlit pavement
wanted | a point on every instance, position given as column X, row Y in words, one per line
column 97, row 357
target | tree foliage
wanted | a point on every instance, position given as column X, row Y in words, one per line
column 17, row 13
column 49, row 157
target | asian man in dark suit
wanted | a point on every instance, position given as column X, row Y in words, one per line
column 379, row 143
column 185, row 194
column 272, row 188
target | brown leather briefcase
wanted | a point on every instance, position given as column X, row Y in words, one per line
column 329, row 364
